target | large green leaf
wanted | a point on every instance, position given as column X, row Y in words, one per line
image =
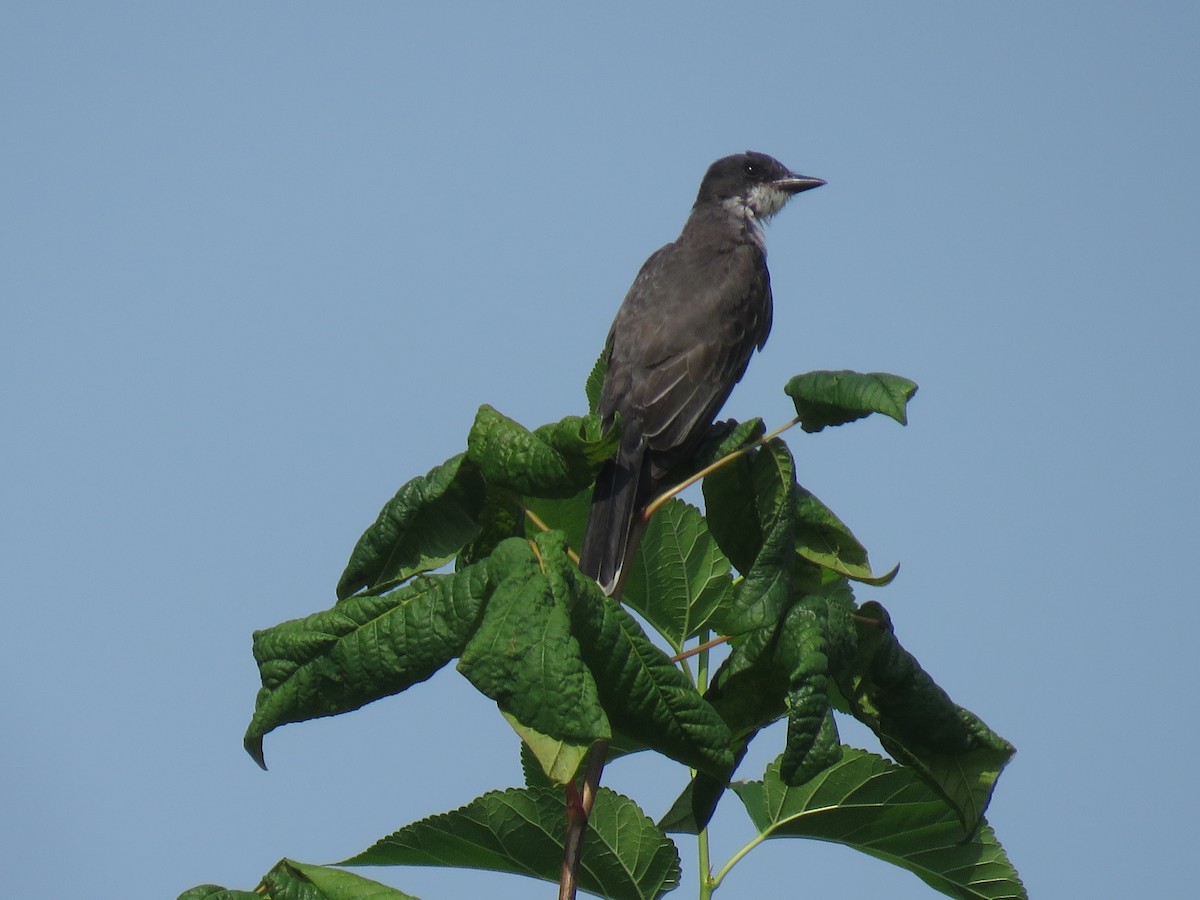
column 522, row 831
column 801, row 653
column 776, row 670
column 870, row 804
column 835, row 398
column 365, row 648
column 555, row 460
column 646, row 696
column 956, row 754
column 523, row 654
column 680, row 577
column 761, row 595
column 418, row 530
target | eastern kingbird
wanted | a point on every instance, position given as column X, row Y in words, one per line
column 680, row 342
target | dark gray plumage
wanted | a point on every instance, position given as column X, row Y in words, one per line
column 681, row 340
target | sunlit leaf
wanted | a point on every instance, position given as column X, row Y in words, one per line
column 555, row 460
column 646, row 696
column 522, row 831
column 365, row 648
column 877, row 807
column 835, row 398
column 524, row 656
column 418, row 530
column 680, row 577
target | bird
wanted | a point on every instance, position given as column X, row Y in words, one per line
column 682, row 338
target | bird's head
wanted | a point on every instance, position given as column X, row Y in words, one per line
column 752, row 183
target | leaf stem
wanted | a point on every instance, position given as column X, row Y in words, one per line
column 702, row 648
column 662, row 498
column 704, row 863
column 579, row 809
column 736, row 858
column 542, row 526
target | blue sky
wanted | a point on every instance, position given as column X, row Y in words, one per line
column 261, row 262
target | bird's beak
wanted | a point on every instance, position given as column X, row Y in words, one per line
column 794, row 184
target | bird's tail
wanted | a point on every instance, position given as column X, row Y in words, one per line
column 614, row 526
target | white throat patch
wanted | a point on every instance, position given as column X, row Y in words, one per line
column 765, row 200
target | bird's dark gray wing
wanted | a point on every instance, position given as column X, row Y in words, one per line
column 678, row 353
column 680, row 342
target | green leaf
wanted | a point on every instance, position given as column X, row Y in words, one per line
column 760, row 596
column 835, row 398
column 567, row 515
column 732, row 513
column 870, row 804
column 594, row 385
column 801, row 653
column 680, row 577
column 502, row 517
column 727, row 437
column 804, row 757
column 524, row 656
column 821, row 538
column 365, row 648
column 646, row 696
column 522, row 832
column 418, row 530
column 956, row 754
column 557, row 760
column 216, row 892
column 291, row 880
column 556, row 460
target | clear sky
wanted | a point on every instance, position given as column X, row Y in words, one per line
column 259, row 264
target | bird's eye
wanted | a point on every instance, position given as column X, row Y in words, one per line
column 749, row 168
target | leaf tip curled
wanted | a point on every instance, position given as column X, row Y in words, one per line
column 878, row 580
column 254, row 746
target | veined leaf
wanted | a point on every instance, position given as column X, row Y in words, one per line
column 567, row 515
column 418, row 530
column 522, row 832
column 646, row 696
column 955, row 753
column 870, row 804
column 556, row 460
column 557, row 760
column 216, row 892
column 761, row 595
column 524, row 656
column 291, row 880
column 680, row 577
column 365, row 648
column 801, row 652
column 821, row 538
column 835, row 398
column 594, row 385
